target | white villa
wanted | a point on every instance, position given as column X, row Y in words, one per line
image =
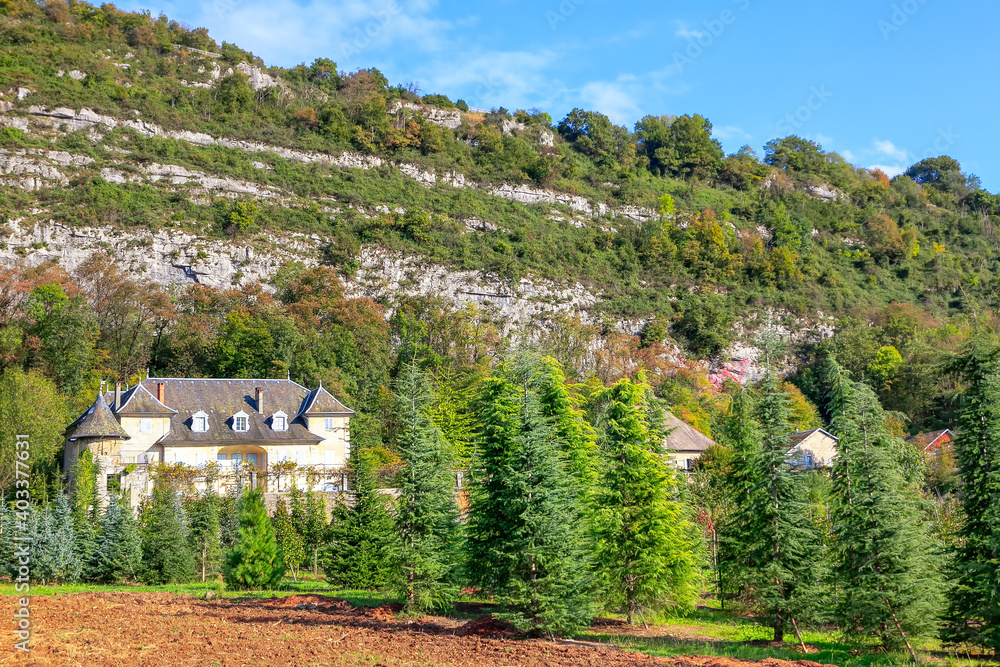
column 245, row 426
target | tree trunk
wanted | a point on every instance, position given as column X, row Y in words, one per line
column 779, row 629
column 203, row 559
column 315, row 563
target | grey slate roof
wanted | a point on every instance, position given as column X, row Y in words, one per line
column 321, row 403
column 684, row 438
column 98, row 422
column 137, row 401
column 220, row 399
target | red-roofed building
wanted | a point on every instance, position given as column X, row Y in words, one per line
column 932, row 441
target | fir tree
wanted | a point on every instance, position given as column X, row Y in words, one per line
column 576, row 437
column 779, row 546
column 54, row 545
column 255, row 561
column 84, row 506
column 204, row 536
column 166, row 550
column 427, row 513
column 291, row 543
column 885, row 564
column 742, row 435
column 647, row 545
column 974, row 601
column 118, row 553
column 362, row 545
column 525, row 541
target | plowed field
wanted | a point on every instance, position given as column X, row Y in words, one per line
column 164, row 629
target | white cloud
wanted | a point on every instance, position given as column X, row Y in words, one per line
column 684, row 32
column 512, row 79
column 726, row 132
column 847, row 155
column 612, row 99
column 890, row 150
column 890, row 170
column 285, row 32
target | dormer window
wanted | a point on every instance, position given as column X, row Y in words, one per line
column 279, row 421
column 199, row 422
column 241, row 422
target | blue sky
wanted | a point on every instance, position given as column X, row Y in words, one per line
column 883, row 82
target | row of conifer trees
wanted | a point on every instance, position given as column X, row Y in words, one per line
column 568, row 512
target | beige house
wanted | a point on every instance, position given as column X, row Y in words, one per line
column 813, row 449
column 684, row 443
column 245, row 426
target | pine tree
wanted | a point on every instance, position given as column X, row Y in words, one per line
column 255, row 561
column 885, row 562
column 362, row 545
column 647, row 545
column 118, row 554
column 779, row 545
column 166, row 550
column 291, row 543
column 427, row 513
column 525, row 541
column 974, row 601
column 204, row 536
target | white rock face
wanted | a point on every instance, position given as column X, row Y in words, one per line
column 526, row 194
column 162, row 257
column 824, row 192
column 77, row 74
column 20, row 170
column 259, row 79
column 450, row 118
column 385, row 275
column 168, row 256
column 22, row 93
column 547, row 138
column 512, row 127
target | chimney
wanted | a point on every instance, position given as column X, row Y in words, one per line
column 118, row 395
column 260, row 400
column 159, row 392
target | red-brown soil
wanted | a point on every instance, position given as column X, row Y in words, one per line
column 163, row 629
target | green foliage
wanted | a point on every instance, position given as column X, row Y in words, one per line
column 775, row 560
column 362, row 547
column 30, row 404
column 291, row 543
column 118, row 556
column 886, row 564
column 66, row 331
column 647, row 546
column 254, row 562
column 308, row 517
column 973, row 613
column 166, row 551
column 204, row 535
column 426, row 508
column 525, row 543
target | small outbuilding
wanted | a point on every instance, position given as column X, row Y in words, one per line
column 813, row 449
column 684, row 443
